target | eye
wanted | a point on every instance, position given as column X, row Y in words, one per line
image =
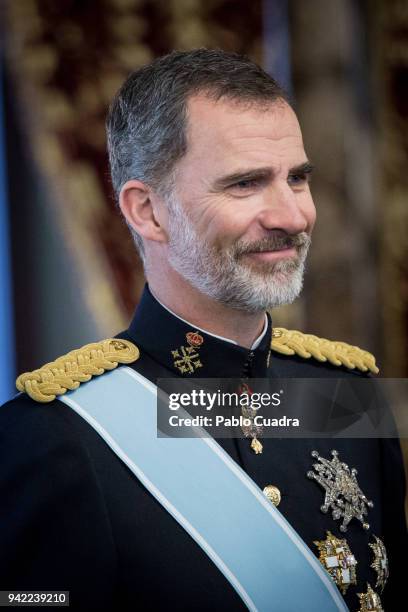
column 245, row 184
column 298, row 179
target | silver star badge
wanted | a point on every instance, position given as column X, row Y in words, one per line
column 342, row 493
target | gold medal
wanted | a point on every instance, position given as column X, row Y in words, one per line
column 336, row 557
column 370, row 601
column 380, row 563
column 256, row 446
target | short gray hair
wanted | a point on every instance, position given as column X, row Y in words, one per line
column 146, row 124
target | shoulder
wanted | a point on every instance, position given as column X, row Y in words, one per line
column 38, row 430
column 78, row 366
column 50, row 446
column 44, row 452
column 311, row 355
column 35, row 421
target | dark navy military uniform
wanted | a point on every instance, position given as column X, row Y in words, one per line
column 74, row 518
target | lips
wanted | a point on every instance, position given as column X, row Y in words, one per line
column 274, row 247
column 286, row 252
column 283, row 248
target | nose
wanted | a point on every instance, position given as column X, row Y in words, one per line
column 287, row 210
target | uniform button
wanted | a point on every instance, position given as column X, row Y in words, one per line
column 273, row 494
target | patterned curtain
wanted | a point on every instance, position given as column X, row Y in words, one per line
column 391, row 44
column 67, row 59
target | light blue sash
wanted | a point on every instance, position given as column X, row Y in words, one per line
column 215, row 501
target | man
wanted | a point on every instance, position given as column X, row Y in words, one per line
column 211, row 175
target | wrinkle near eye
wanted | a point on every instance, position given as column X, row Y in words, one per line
column 205, row 210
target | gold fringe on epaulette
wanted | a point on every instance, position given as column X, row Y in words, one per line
column 69, row 371
column 291, row 342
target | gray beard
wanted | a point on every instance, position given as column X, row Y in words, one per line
column 222, row 276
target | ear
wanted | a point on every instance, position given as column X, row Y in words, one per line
column 143, row 210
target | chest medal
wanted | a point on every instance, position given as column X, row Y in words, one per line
column 336, row 557
column 380, row 563
column 370, row 601
column 342, row 494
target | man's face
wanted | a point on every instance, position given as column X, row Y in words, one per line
column 241, row 213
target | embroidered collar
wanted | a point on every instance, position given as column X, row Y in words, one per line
column 192, row 352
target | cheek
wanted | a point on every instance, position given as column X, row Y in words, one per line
column 221, row 222
column 227, row 228
column 219, row 232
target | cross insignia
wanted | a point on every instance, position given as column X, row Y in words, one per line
column 186, row 359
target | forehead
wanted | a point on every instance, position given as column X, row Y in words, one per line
column 226, row 128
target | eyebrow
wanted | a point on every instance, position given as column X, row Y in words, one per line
column 259, row 173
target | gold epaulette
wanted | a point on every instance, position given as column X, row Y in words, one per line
column 291, row 342
column 70, row 370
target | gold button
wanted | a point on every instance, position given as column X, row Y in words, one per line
column 273, row 494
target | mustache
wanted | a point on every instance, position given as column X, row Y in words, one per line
column 274, row 242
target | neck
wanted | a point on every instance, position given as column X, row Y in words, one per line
column 200, row 310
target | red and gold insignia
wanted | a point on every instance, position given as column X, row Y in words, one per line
column 194, row 339
column 244, row 389
column 186, row 358
column 250, row 430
